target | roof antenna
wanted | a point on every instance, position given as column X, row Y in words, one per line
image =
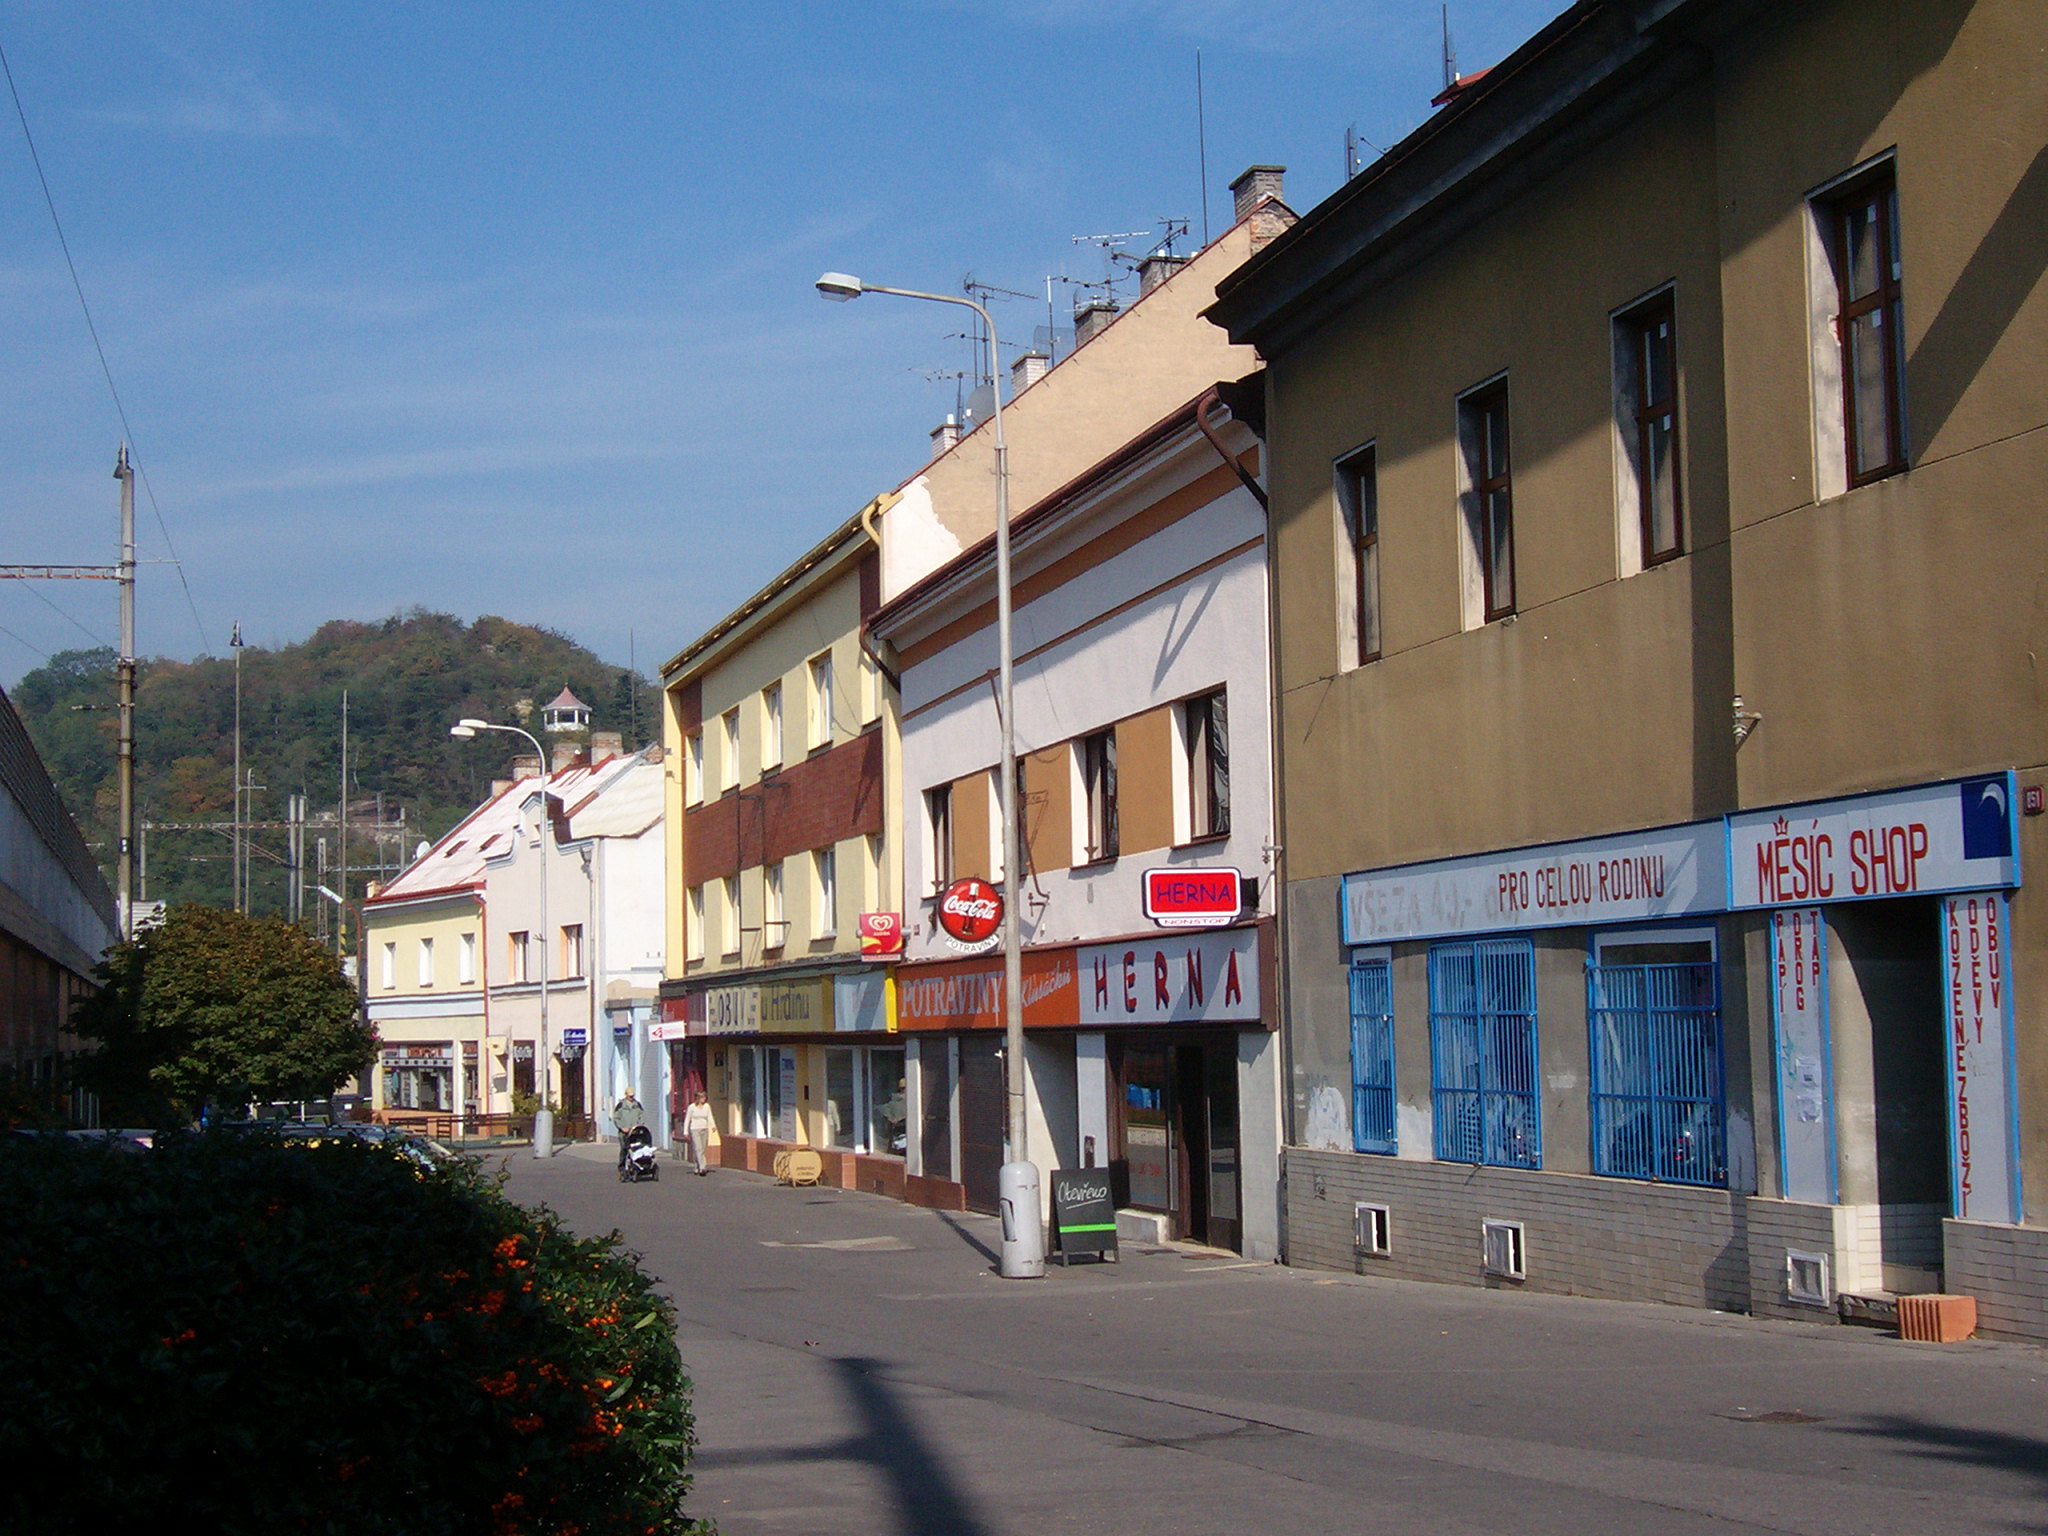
column 1450, row 53
column 1202, row 147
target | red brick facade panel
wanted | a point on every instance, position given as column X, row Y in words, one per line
column 822, row 800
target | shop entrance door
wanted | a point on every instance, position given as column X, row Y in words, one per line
column 981, row 1119
column 1179, row 1104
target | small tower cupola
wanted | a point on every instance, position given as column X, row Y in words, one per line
column 568, row 713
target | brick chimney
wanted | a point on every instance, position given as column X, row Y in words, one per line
column 567, row 754
column 1027, row 371
column 604, row 744
column 1156, row 269
column 499, row 786
column 526, row 766
column 1257, row 191
column 1091, row 318
column 945, row 435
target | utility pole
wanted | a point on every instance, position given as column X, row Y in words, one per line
column 125, row 672
column 235, row 645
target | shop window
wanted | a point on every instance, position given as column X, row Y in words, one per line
column 824, row 893
column 1646, row 424
column 1653, row 1005
column 572, row 949
column 465, row 960
column 938, row 817
column 1859, row 342
column 1487, row 494
column 752, row 1122
column 1358, row 590
column 1372, row 1055
column 841, row 1123
column 888, row 1121
column 1482, row 1047
column 1095, row 757
column 820, row 672
column 693, row 925
column 516, row 945
column 771, row 726
column 1205, row 735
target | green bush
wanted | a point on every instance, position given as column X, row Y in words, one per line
column 233, row 1334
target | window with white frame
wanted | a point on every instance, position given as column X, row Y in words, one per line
column 729, row 750
column 693, row 767
column 1650, row 502
column 870, row 690
column 1095, row 760
column 819, row 671
column 771, row 725
column 465, row 960
column 388, row 972
column 729, row 915
column 693, row 925
column 1855, row 284
column 426, row 962
column 1486, row 498
column 516, row 948
column 774, row 926
column 824, row 893
column 1654, row 1011
column 1205, row 743
column 572, row 949
column 1358, row 586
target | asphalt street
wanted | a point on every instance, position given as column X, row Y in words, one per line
column 859, row 1368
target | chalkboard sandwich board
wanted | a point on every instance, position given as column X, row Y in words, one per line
column 1083, row 1214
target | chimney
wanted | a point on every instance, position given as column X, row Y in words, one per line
column 499, row 786
column 1027, row 371
column 1092, row 318
column 1253, row 186
column 526, row 766
column 567, row 754
column 604, row 744
column 945, row 435
column 1156, row 269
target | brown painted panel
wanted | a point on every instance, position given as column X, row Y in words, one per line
column 1049, row 808
column 1145, row 760
column 973, row 824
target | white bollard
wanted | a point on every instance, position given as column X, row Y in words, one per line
column 1023, row 1222
column 544, row 1134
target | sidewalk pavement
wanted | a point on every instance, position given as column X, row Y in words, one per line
column 859, row 1368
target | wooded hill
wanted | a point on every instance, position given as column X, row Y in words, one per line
column 408, row 679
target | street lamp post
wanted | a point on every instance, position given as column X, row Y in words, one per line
column 1023, row 1255
column 544, row 1120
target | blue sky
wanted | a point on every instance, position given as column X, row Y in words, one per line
column 502, row 307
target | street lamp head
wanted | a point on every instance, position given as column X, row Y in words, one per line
column 839, row 287
column 462, row 732
column 471, row 724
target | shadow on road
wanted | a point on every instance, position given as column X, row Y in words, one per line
column 967, row 1237
column 1993, row 1450
column 928, row 1501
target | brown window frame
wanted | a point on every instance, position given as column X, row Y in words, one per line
column 1875, row 197
column 1493, row 496
column 1208, row 769
column 1358, row 497
column 1642, row 323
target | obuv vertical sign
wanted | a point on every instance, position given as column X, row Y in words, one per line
column 1976, row 956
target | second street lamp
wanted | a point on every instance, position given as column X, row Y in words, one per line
column 544, row 1118
column 1023, row 1254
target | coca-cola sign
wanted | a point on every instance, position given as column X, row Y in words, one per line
column 971, row 915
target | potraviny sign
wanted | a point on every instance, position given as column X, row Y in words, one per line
column 1902, row 842
column 1633, row 877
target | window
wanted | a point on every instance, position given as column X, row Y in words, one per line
column 1653, row 1004
column 938, row 811
column 842, row 1123
column 1097, row 760
column 773, row 928
column 426, row 962
column 1358, row 504
column 693, row 925
column 572, row 949
column 1489, row 500
column 1205, row 728
column 872, row 896
column 753, row 1121
column 870, row 690
column 729, row 915
column 825, row 890
column 821, row 700
column 729, row 750
column 515, row 956
column 390, row 966
column 1646, row 417
column 771, row 725
column 693, row 767
column 1862, row 234
column 887, row 1114
column 1482, row 1047
column 1372, row 1055
column 465, row 960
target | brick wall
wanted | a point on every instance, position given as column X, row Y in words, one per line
column 2006, row 1269
column 814, row 803
column 1778, row 1225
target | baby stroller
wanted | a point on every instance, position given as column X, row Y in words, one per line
column 636, row 1156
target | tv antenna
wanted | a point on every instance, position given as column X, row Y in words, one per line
column 1450, row 52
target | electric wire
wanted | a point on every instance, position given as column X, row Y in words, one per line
column 10, row 634
column 51, row 604
column 106, row 370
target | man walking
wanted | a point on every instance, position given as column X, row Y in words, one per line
column 627, row 1117
column 697, row 1131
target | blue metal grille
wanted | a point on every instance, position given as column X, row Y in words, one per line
column 1482, row 1053
column 1372, row 1056
column 1658, row 1107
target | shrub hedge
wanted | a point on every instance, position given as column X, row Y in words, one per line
column 233, row 1334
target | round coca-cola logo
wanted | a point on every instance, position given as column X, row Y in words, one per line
column 971, row 912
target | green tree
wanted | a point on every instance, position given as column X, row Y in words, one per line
column 216, row 1007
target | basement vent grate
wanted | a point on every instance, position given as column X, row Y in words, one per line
column 1373, row 1230
column 1501, row 1247
column 1806, row 1278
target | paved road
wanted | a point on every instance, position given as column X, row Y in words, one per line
column 860, row 1370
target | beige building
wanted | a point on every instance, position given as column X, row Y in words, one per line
column 1655, row 447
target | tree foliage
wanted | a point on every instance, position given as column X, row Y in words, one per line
column 215, row 1007
column 408, row 678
